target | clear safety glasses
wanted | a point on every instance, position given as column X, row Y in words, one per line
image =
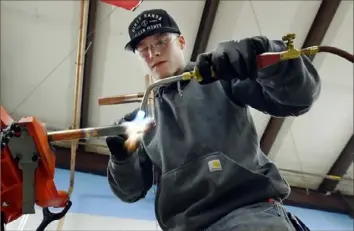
column 157, row 46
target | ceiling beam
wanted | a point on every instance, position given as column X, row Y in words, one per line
column 316, row 34
column 205, row 27
column 340, row 167
column 94, row 163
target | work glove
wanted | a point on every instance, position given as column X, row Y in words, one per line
column 232, row 59
column 115, row 144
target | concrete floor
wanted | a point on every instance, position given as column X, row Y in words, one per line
column 96, row 208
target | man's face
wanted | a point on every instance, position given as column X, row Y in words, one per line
column 163, row 54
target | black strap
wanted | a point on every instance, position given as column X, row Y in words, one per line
column 48, row 216
column 2, row 221
column 297, row 223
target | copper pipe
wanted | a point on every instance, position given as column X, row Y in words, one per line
column 78, row 88
column 121, row 99
column 77, row 97
column 127, row 98
column 83, row 133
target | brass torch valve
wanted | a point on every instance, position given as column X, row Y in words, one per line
column 270, row 58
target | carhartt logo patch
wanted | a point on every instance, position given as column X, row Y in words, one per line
column 214, row 165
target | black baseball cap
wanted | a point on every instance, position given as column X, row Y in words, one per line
column 148, row 23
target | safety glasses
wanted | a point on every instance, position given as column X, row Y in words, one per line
column 157, row 46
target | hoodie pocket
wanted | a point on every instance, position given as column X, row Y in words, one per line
column 213, row 180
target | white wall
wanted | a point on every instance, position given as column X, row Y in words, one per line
column 38, row 54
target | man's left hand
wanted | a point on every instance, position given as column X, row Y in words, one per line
column 232, row 59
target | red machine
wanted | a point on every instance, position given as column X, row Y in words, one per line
column 27, row 168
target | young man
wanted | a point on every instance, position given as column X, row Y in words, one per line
column 203, row 154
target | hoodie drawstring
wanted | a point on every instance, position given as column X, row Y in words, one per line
column 180, row 92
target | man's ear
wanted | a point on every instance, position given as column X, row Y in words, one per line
column 182, row 41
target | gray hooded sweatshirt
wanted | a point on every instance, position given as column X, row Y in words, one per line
column 204, row 153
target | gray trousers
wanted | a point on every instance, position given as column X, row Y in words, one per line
column 264, row 216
